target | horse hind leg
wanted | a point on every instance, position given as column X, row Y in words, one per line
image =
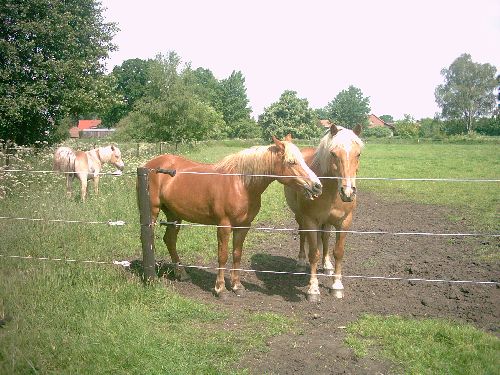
column 239, row 236
column 223, row 234
column 170, row 239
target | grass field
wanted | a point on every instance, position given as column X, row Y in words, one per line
column 92, row 318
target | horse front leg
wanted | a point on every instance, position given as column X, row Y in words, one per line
column 336, row 287
column 96, row 184
column 239, row 236
column 324, row 236
column 301, row 259
column 223, row 234
column 313, row 293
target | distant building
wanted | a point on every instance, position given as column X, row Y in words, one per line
column 89, row 129
column 373, row 122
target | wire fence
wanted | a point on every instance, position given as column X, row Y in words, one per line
column 133, row 173
column 265, row 229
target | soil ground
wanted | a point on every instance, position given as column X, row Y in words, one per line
column 320, row 347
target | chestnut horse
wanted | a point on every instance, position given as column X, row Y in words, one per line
column 201, row 193
column 85, row 165
column 337, row 157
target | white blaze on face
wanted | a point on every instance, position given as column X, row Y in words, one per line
column 300, row 160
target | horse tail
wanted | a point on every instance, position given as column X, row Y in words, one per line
column 64, row 160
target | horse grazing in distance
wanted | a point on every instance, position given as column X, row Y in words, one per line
column 226, row 194
column 85, row 165
column 337, row 157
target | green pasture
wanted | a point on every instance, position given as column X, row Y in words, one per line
column 84, row 318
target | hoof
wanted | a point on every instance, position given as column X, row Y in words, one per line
column 337, row 293
column 220, row 295
column 314, row 298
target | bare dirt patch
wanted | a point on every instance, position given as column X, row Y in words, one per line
column 319, row 347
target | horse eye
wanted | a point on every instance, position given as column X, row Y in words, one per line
column 292, row 162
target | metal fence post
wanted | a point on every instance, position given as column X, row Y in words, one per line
column 147, row 234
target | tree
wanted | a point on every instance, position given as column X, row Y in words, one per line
column 51, row 64
column 171, row 110
column 468, row 91
column 387, row 119
column 407, row 127
column 289, row 115
column 349, row 108
column 130, row 80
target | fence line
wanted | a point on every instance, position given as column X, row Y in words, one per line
column 127, row 264
column 424, row 179
column 265, row 229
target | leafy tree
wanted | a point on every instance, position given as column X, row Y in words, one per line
column 171, row 110
column 204, row 85
column 468, row 91
column 289, row 115
column 387, row 118
column 51, row 65
column 349, row 108
column 407, row 127
column 235, row 109
column 431, row 128
column 130, row 80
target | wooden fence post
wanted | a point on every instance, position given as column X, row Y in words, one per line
column 147, row 233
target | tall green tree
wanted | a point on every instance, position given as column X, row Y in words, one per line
column 52, row 56
column 289, row 115
column 171, row 110
column 130, row 81
column 349, row 108
column 467, row 92
column 234, row 98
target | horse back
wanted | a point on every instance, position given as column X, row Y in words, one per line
column 64, row 160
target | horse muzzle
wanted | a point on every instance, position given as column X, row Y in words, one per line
column 120, row 166
column 345, row 197
column 314, row 191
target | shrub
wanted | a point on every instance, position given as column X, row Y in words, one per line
column 377, row 132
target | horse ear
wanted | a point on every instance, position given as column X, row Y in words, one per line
column 288, row 137
column 277, row 142
column 112, row 148
column 333, row 130
column 357, row 129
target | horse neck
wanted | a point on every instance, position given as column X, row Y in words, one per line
column 102, row 155
column 249, row 164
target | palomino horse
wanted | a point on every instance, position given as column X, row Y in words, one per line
column 337, row 156
column 201, row 193
column 86, row 165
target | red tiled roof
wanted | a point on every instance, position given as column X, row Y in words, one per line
column 88, row 124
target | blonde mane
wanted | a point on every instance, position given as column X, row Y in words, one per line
column 257, row 160
column 343, row 139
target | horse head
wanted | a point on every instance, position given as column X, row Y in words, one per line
column 344, row 151
column 296, row 173
column 115, row 157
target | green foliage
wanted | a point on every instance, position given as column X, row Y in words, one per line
column 387, row 118
column 171, row 110
column 289, row 115
column 349, row 108
column 130, row 84
column 234, row 99
column 429, row 346
column 488, row 126
column 407, row 128
column 51, row 65
column 431, row 128
column 377, row 132
column 468, row 91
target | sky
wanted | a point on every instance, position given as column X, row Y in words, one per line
column 393, row 51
